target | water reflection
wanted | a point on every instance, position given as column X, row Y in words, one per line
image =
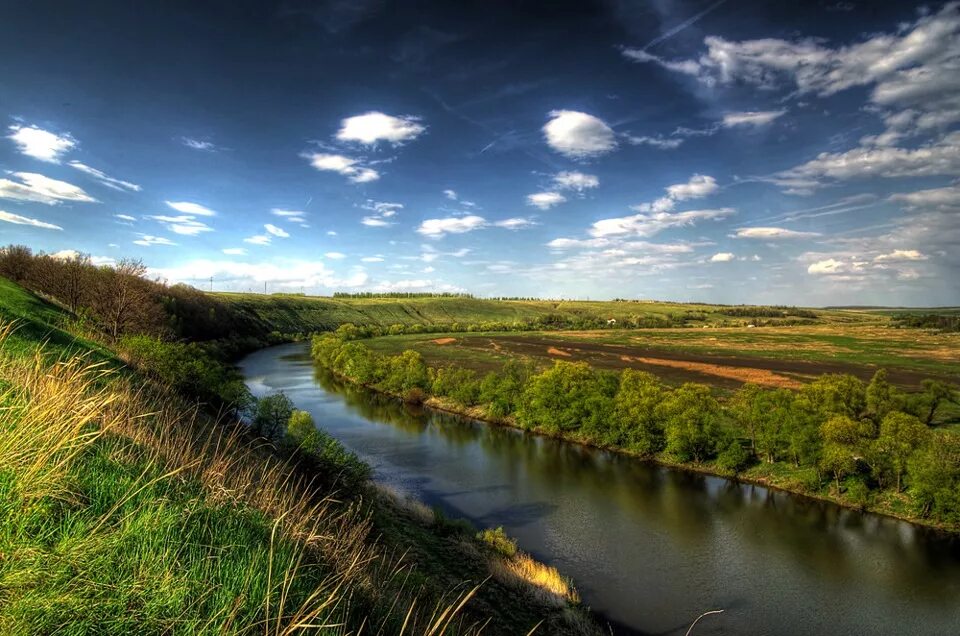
column 649, row 548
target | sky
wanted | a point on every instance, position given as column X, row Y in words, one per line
column 732, row 151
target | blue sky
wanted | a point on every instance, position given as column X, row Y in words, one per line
column 739, row 152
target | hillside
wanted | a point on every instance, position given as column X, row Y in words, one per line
column 125, row 508
column 294, row 313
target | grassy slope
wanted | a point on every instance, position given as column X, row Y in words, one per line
column 104, row 531
column 291, row 314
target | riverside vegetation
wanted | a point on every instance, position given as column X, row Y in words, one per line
column 132, row 499
column 867, row 445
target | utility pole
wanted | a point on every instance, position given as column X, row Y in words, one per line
column 211, row 283
column 264, row 287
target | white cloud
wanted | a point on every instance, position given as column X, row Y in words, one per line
column 125, row 217
column 945, row 198
column 335, row 255
column 900, row 255
column 346, row 166
column 382, row 210
column 688, row 67
column 66, row 255
column 723, row 257
column 198, row 144
column 110, row 182
column 545, row 200
column 697, row 187
column 293, row 216
column 751, row 118
column 276, row 231
column 437, row 228
column 833, row 266
column 16, row 219
column 186, row 225
column 148, row 240
column 578, row 135
column 940, row 157
column 664, row 143
column 515, row 223
column 41, row 144
column 772, row 233
column 235, row 251
column 40, row 189
column 649, row 224
column 573, row 180
column 372, row 127
column 258, row 239
column 450, row 194
column 194, row 209
column 282, row 273
column 372, row 259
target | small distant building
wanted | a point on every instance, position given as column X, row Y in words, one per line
column 612, row 321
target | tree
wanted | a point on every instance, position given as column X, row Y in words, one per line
column 124, row 299
column 935, row 477
column 635, row 412
column 302, row 431
column 16, row 262
column 691, row 422
column 900, row 436
column 934, row 394
column 844, row 440
column 564, row 398
column 882, row 397
column 834, row 394
column 271, row 416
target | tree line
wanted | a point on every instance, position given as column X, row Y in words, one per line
column 861, row 442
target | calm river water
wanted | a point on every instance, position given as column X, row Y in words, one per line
column 649, row 548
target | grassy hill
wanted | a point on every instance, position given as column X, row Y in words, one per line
column 294, row 313
column 126, row 508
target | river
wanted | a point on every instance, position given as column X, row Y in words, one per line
column 649, row 548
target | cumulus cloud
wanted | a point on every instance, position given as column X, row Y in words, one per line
column 437, row 228
column 772, row 233
column 16, row 219
column 578, row 135
column 40, row 189
column 110, row 182
column 374, row 126
column 276, row 231
column 573, row 180
column 186, row 225
column 751, row 118
column 645, row 224
column 41, row 144
column 383, row 212
column 351, row 168
column 723, row 257
column 187, row 207
column 697, row 187
column 899, row 256
column 545, row 200
column 515, row 223
column 147, row 240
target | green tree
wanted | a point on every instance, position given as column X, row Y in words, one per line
column 935, row 477
column 691, row 422
column 882, row 397
column 844, row 442
column 302, row 431
column 271, row 415
column 900, row 436
column 834, row 394
column 635, row 412
column 564, row 398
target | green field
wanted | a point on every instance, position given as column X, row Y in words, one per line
column 293, row 313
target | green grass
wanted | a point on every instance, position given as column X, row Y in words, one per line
column 294, row 313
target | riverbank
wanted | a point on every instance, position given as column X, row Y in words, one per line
column 775, row 476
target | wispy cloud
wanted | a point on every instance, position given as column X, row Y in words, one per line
column 16, row 219
column 110, row 182
column 40, row 189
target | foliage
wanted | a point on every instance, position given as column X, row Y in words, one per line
column 271, row 415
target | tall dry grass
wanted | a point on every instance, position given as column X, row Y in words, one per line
column 52, row 415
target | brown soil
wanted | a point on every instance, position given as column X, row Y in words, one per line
column 741, row 374
column 443, row 341
column 557, row 352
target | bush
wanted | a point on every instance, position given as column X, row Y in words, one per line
column 497, row 539
column 734, row 458
column 271, row 415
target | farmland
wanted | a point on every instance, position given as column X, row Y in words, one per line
column 723, row 357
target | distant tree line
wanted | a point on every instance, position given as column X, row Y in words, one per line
column 862, row 442
column 941, row 322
